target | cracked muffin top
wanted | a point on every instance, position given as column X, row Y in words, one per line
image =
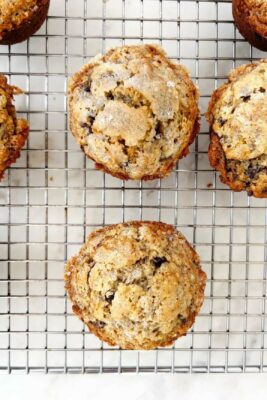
column 13, row 131
column 133, row 111
column 258, row 14
column 250, row 17
column 238, row 116
column 19, row 19
column 138, row 285
column 14, row 12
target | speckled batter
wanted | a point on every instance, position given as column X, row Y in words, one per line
column 21, row 18
column 137, row 285
column 13, row 131
column 258, row 10
column 14, row 12
column 250, row 17
column 133, row 111
column 238, row 116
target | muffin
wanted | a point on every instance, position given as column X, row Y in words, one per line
column 238, row 124
column 137, row 285
column 19, row 19
column 13, row 131
column 134, row 112
column 251, row 20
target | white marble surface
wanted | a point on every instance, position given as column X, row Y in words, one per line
column 142, row 387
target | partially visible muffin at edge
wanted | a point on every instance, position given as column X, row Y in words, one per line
column 134, row 112
column 238, row 125
column 13, row 131
column 251, row 20
column 19, row 19
column 138, row 285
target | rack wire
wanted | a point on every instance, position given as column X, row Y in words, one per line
column 53, row 197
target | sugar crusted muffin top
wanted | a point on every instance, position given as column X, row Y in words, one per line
column 238, row 121
column 257, row 14
column 259, row 6
column 137, row 285
column 13, row 131
column 133, row 111
column 240, row 114
column 14, row 12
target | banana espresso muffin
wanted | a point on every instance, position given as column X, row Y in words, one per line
column 13, row 131
column 238, row 124
column 19, row 19
column 137, row 285
column 250, row 17
column 134, row 112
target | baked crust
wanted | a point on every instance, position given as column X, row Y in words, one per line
column 137, row 145
column 138, row 285
column 13, row 131
column 251, row 20
column 238, row 135
column 21, row 19
column 168, row 168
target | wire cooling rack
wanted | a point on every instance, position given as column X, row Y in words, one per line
column 53, row 197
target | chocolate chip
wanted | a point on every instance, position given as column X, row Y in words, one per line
column 85, row 125
column 182, row 318
column 157, row 261
column 88, row 125
column 109, row 296
column 158, row 130
column 246, row 98
column 221, row 121
column 110, row 96
column 98, row 324
column 262, row 90
column 252, row 171
column 87, row 87
column 125, row 164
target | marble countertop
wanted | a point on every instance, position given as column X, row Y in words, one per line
column 133, row 387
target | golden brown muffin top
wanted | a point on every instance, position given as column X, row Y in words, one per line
column 258, row 6
column 7, row 111
column 133, row 110
column 14, row 12
column 13, row 131
column 257, row 14
column 138, row 284
column 239, row 115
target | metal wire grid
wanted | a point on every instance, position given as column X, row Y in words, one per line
column 53, row 197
